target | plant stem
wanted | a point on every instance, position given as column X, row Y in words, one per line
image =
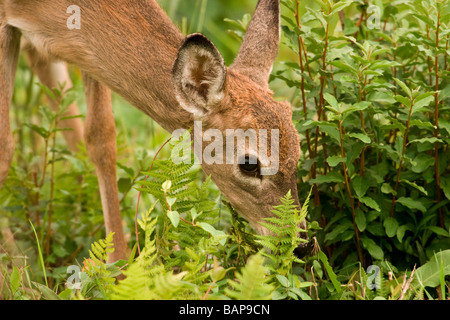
column 436, row 122
column 52, row 186
column 350, row 196
column 363, row 125
column 405, row 139
column 319, row 113
column 302, row 84
column 209, row 289
column 301, row 52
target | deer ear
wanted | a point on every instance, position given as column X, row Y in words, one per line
column 198, row 75
column 260, row 46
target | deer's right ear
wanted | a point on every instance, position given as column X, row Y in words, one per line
column 198, row 75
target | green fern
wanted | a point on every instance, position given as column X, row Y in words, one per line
column 185, row 206
column 98, row 255
column 180, row 175
column 134, row 286
column 253, row 281
column 284, row 226
column 381, row 284
column 146, row 278
column 101, row 273
column 139, row 274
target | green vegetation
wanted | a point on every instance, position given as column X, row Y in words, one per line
column 368, row 83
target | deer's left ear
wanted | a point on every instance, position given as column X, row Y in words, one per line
column 198, row 75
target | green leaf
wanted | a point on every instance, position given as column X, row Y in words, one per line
column 412, row 204
column 360, row 185
column 426, row 140
column 14, row 280
column 330, row 272
column 338, row 6
column 332, row 101
column 425, row 19
column 444, row 124
column 439, row 231
column 401, row 232
column 412, row 184
column 319, row 16
column 170, row 201
column 124, row 185
column 370, row 203
column 218, row 274
column 429, row 274
column 333, row 161
column 174, row 217
column 404, row 87
column 421, row 124
column 391, row 226
column 166, row 186
column 283, row 280
column 44, row 133
column 330, row 177
column 361, row 136
column 320, row 124
column 422, row 162
column 444, row 93
column 46, row 292
column 337, row 231
column 331, row 132
column 403, row 100
column 344, row 66
column 423, row 96
column 445, row 186
column 386, row 188
column 359, row 106
column 381, row 97
column 214, row 232
column 360, row 219
column 383, row 64
column 420, row 105
column 374, row 250
column 128, row 170
column 47, row 91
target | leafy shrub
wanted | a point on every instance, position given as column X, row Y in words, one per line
column 371, row 97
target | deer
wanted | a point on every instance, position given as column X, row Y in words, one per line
column 132, row 47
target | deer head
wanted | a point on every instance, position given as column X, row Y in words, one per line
column 235, row 99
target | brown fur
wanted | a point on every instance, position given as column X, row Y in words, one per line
column 130, row 47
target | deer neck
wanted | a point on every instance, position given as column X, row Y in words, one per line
column 137, row 61
column 130, row 46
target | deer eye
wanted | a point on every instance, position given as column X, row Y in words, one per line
column 249, row 166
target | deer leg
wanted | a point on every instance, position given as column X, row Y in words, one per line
column 51, row 74
column 100, row 137
column 9, row 53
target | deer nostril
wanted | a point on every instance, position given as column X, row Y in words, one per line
column 302, row 250
column 307, row 248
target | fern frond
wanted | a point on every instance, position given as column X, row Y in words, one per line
column 134, row 287
column 284, row 226
column 100, row 249
column 253, row 281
